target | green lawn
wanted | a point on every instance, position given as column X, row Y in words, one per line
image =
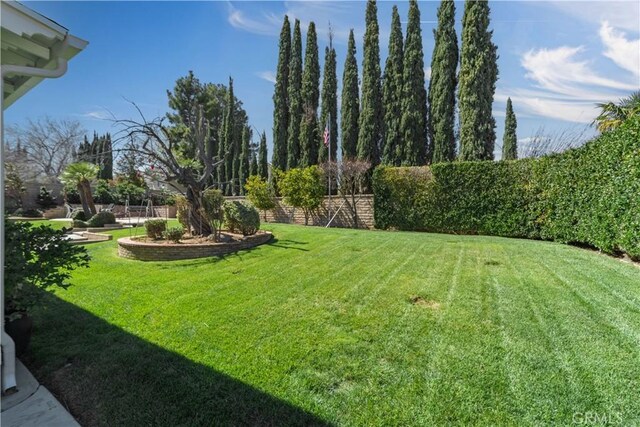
column 319, row 327
column 57, row 225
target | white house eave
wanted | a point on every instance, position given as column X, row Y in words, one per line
column 75, row 46
column 31, row 40
column 19, row 19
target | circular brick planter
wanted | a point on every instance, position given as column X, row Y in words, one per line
column 145, row 251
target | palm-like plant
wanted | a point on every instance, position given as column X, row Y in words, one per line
column 613, row 114
column 81, row 174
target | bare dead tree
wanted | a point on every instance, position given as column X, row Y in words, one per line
column 155, row 142
column 46, row 146
column 350, row 179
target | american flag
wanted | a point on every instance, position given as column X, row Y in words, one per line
column 326, row 136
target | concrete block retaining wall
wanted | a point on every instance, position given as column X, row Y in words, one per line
column 344, row 219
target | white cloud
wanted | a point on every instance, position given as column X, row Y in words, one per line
column 269, row 76
column 559, row 70
column 427, row 73
column 338, row 15
column 623, row 52
column 567, row 87
column 553, row 105
column 621, row 14
column 238, row 19
column 97, row 115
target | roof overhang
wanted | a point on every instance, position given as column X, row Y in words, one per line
column 31, row 40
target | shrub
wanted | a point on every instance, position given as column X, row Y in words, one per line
column 182, row 208
column 79, row 224
column 28, row 213
column 101, row 219
column 241, row 217
column 79, row 215
column 37, row 258
column 212, row 201
column 260, row 194
column 155, row 228
column 587, row 195
column 303, row 188
column 174, row 234
column 45, row 200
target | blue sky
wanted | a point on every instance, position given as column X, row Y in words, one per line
column 556, row 58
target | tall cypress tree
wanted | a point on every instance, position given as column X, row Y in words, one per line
column 95, row 150
column 235, row 177
column 253, row 165
column 350, row 107
column 370, row 131
column 243, row 172
column 221, row 169
column 99, row 152
column 477, row 83
column 414, row 105
column 442, row 85
column 295, row 99
column 263, row 167
column 280, row 98
column 309, row 135
column 106, row 160
column 329, row 114
column 83, row 153
column 229, row 141
column 392, row 95
column 510, row 140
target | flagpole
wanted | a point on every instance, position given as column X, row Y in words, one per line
column 330, row 166
column 329, row 130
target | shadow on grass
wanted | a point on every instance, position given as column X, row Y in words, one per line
column 287, row 244
column 106, row 376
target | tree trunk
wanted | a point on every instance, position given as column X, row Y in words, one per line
column 354, row 208
column 199, row 223
column 89, row 197
column 83, row 200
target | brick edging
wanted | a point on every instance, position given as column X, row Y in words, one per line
column 144, row 251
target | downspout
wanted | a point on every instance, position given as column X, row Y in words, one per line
column 8, row 348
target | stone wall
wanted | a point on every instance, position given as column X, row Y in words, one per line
column 344, row 218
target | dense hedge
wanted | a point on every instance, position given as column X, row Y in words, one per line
column 589, row 195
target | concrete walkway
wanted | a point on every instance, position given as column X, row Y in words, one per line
column 33, row 405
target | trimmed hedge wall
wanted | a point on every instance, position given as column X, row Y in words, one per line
column 589, row 195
